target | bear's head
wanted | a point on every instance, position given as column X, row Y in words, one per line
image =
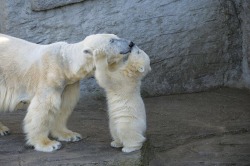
column 137, row 64
column 115, row 48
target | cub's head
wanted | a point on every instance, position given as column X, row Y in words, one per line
column 114, row 47
column 138, row 64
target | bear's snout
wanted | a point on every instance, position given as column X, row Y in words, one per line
column 131, row 44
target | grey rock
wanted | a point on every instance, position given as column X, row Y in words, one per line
column 209, row 128
column 38, row 5
column 222, row 150
column 245, row 30
column 194, row 45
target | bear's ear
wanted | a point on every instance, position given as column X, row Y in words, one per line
column 141, row 69
column 87, row 51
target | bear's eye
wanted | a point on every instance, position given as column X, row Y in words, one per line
column 111, row 40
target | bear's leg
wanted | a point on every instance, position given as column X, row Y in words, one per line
column 116, row 143
column 102, row 73
column 40, row 118
column 132, row 140
column 70, row 98
column 4, row 130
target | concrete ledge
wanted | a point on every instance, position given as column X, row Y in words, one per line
column 40, row 5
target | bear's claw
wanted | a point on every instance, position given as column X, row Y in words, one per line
column 4, row 130
column 67, row 136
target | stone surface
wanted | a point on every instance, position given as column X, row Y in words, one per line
column 245, row 28
column 222, row 150
column 209, row 128
column 193, row 45
column 39, row 5
column 89, row 119
column 232, row 50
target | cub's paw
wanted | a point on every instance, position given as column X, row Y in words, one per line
column 4, row 130
column 130, row 149
column 99, row 54
column 47, row 145
column 115, row 144
column 67, row 136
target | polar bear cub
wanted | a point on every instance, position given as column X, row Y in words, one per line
column 127, row 117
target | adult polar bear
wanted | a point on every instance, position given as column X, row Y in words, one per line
column 47, row 78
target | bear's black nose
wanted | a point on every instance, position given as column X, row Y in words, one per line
column 131, row 44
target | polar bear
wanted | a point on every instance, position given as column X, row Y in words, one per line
column 46, row 79
column 127, row 118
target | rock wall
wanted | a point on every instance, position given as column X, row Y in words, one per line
column 194, row 45
column 245, row 28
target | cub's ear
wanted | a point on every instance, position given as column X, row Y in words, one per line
column 141, row 69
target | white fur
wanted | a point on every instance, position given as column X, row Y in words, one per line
column 46, row 79
column 127, row 118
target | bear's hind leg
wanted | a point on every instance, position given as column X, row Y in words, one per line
column 4, row 130
column 116, row 143
column 131, row 139
column 69, row 99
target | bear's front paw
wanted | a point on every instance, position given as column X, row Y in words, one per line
column 116, row 144
column 67, row 136
column 99, row 55
column 4, row 130
column 47, row 145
